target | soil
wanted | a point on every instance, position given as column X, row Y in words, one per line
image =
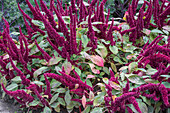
column 6, row 107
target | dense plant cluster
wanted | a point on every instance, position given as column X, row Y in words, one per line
column 77, row 57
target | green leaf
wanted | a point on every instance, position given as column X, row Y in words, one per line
column 113, row 66
column 38, row 83
column 34, row 103
column 57, row 69
column 98, row 101
column 87, row 109
column 67, row 97
column 38, row 23
column 115, row 85
column 54, row 98
column 117, row 59
column 167, row 27
column 88, row 82
column 16, row 79
column 84, row 22
column 146, row 100
column 97, row 110
column 54, row 61
column 47, row 110
column 95, row 29
column 151, row 71
column 11, row 86
column 135, row 78
column 157, row 106
column 61, row 90
column 165, row 76
column 143, row 107
column 84, row 40
column 97, row 23
column 166, row 84
column 61, row 101
column 106, row 70
column 157, row 31
column 133, row 108
column 132, row 66
column 78, row 70
column 113, row 49
column 14, row 33
column 40, row 71
column 105, row 80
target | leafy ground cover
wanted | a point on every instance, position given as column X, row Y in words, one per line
column 77, row 58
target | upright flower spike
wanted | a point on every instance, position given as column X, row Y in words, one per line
column 55, row 47
column 101, row 13
column 3, row 65
column 51, row 5
column 73, row 6
column 36, row 3
column 45, row 54
column 7, row 25
column 60, row 5
column 91, row 33
column 109, row 34
column 62, row 24
column 48, row 90
column 127, row 87
column 29, row 29
column 107, row 18
column 134, row 6
column 52, row 32
column 112, row 77
column 36, row 17
column 26, row 53
column 49, row 13
column 81, row 12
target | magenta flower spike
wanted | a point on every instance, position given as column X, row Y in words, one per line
column 45, row 54
column 20, row 95
column 33, row 88
column 29, row 29
column 33, row 10
column 48, row 90
column 49, row 13
column 25, row 81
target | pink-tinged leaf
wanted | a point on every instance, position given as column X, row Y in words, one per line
column 129, row 57
column 123, row 68
column 146, row 31
column 90, row 76
column 84, row 101
column 5, row 57
column 132, row 66
column 67, row 67
column 92, row 66
column 167, row 27
column 54, row 61
column 97, row 60
column 91, row 95
column 100, row 84
column 115, row 85
column 105, row 80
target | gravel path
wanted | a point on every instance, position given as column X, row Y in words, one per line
column 6, row 107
